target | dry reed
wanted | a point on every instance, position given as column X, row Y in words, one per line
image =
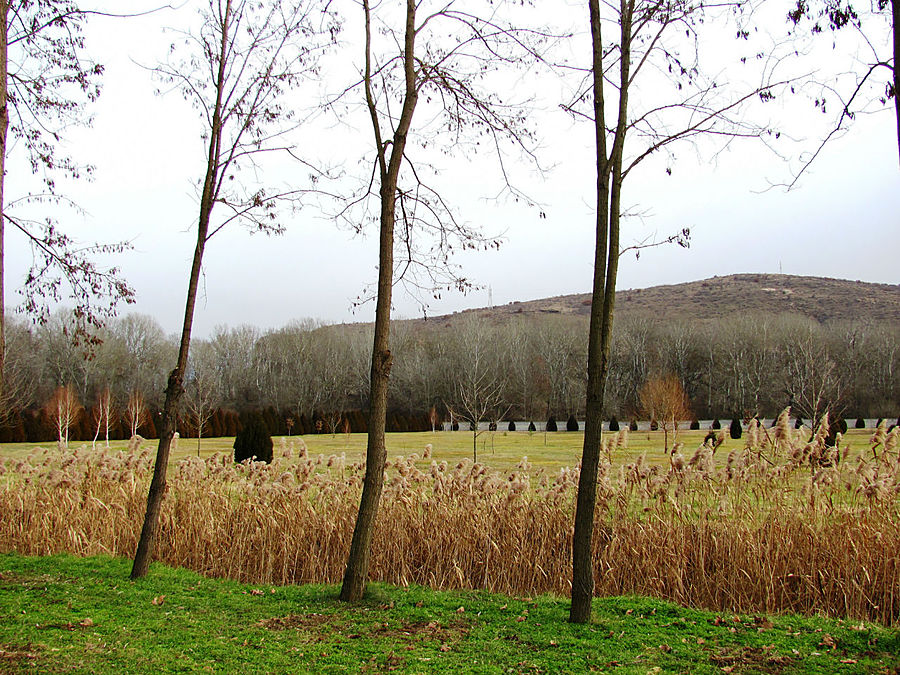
column 785, row 524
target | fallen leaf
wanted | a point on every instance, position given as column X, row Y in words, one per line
column 827, row 641
column 159, row 600
column 665, row 648
column 553, row 643
column 445, row 648
column 848, row 661
column 520, row 618
column 503, row 606
column 460, row 610
column 256, row 591
column 86, row 623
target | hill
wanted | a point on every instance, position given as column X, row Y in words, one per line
column 721, row 297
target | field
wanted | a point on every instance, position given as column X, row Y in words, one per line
column 775, row 522
column 500, row 450
column 80, row 615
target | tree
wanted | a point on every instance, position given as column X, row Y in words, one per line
column 235, row 69
column 735, row 430
column 202, row 390
column 135, row 414
column 64, row 409
column 652, row 36
column 103, row 414
column 663, row 399
column 446, row 75
column 253, row 442
column 45, row 81
column 478, row 380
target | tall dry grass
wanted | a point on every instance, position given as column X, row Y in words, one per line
column 785, row 524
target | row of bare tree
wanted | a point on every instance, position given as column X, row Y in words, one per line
column 526, row 369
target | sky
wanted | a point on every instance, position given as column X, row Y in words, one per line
column 841, row 220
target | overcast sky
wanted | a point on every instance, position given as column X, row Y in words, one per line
column 840, row 221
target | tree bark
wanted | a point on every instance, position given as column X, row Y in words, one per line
column 175, row 387
column 606, row 264
column 357, row 571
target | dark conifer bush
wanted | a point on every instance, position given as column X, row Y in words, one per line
column 860, row 423
column 735, row 430
column 571, row 423
column 613, row 423
column 512, row 426
column 654, row 425
column 632, row 425
column 455, row 426
column 551, row 424
column 252, row 441
column 695, row 425
column 798, row 423
column 531, row 427
column 716, row 424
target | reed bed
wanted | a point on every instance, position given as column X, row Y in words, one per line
column 786, row 523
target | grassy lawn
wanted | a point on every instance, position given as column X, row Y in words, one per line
column 62, row 614
column 500, row 450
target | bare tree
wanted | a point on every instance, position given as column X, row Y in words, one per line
column 478, row 380
column 438, row 57
column 654, row 38
column 202, row 388
column 64, row 409
column 102, row 415
column 235, row 70
column 135, row 413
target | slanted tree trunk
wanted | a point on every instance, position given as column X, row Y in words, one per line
column 175, row 387
column 356, row 573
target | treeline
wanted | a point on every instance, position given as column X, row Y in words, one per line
column 306, row 378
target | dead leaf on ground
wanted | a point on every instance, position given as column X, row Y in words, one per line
column 158, row 600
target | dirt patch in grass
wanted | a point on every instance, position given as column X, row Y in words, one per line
column 13, row 655
column 295, row 621
column 423, row 629
column 755, row 659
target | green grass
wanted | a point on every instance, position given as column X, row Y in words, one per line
column 500, row 450
column 64, row 614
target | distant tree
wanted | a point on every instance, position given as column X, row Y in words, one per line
column 860, row 423
column 695, row 424
column 64, row 409
column 551, row 424
column 613, row 424
column 511, row 426
column 103, row 413
column 253, row 442
column 716, row 424
column 571, row 423
column 735, row 430
column 532, row 427
column 663, row 400
column 798, row 423
column 633, row 425
column 135, row 414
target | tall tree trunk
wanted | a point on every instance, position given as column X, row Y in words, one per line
column 4, row 128
column 606, row 265
column 357, row 571
column 175, row 387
